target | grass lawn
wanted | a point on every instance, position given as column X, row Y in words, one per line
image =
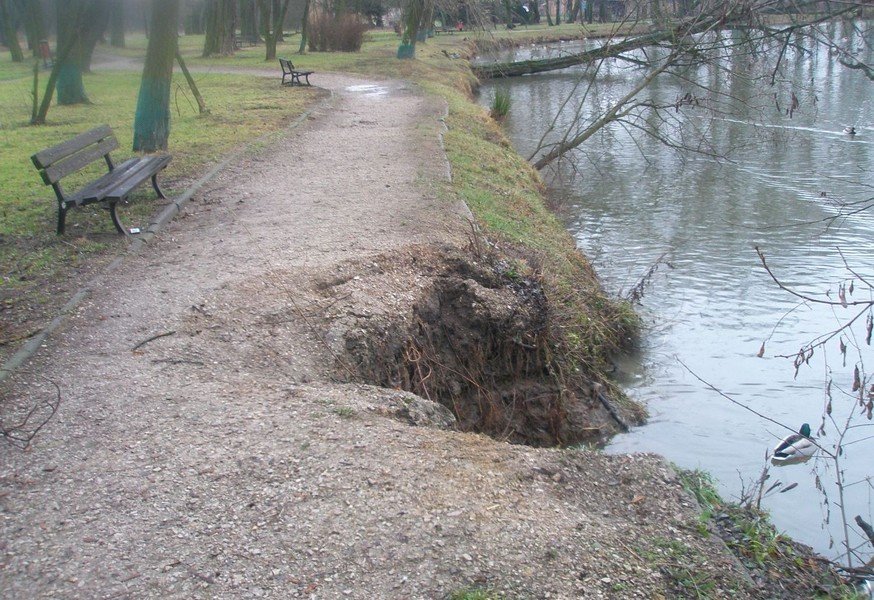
column 38, row 268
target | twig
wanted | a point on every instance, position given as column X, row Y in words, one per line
column 869, row 531
column 608, row 406
column 177, row 361
column 744, row 406
column 17, row 436
column 785, row 288
column 152, row 339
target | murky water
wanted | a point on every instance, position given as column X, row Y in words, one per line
column 631, row 203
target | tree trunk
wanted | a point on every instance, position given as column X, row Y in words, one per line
column 508, row 9
column 590, row 11
column 549, row 22
column 277, row 14
column 248, row 24
column 277, row 9
column 412, row 20
column 558, row 12
column 304, row 27
column 152, row 122
column 576, row 10
column 10, row 33
column 528, row 67
column 221, row 25
column 70, row 87
column 193, row 21
column 116, row 25
column 94, row 26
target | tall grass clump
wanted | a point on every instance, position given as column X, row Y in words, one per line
column 500, row 105
column 336, row 33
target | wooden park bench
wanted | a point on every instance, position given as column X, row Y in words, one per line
column 294, row 75
column 75, row 154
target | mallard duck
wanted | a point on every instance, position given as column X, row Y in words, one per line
column 794, row 449
column 850, row 130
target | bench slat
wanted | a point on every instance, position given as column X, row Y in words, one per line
column 96, row 190
column 79, row 160
column 135, row 175
column 118, row 183
column 49, row 156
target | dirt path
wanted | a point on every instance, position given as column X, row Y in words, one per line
column 225, row 457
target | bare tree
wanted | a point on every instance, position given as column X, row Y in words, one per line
column 716, row 36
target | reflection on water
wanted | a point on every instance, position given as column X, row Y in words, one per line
column 629, row 201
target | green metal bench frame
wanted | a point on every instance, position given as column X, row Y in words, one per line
column 293, row 74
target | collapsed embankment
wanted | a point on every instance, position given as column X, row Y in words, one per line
column 467, row 329
column 518, row 338
column 579, row 327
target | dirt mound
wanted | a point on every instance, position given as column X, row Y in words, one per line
column 469, row 333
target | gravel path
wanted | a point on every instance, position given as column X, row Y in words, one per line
column 225, row 457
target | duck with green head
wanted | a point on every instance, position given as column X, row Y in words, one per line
column 794, row 449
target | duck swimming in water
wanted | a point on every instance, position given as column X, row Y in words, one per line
column 850, row 130
column 794, row 449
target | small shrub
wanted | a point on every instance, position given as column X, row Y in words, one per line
column 335, row 33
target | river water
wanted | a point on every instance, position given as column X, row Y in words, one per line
column 779, row 183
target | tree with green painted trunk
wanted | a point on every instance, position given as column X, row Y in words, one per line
column 71, row 34
column 152, row 122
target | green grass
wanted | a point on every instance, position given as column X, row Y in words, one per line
column 474, row 594
column 500, row 104
column 344, row 412
column 36, row 266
